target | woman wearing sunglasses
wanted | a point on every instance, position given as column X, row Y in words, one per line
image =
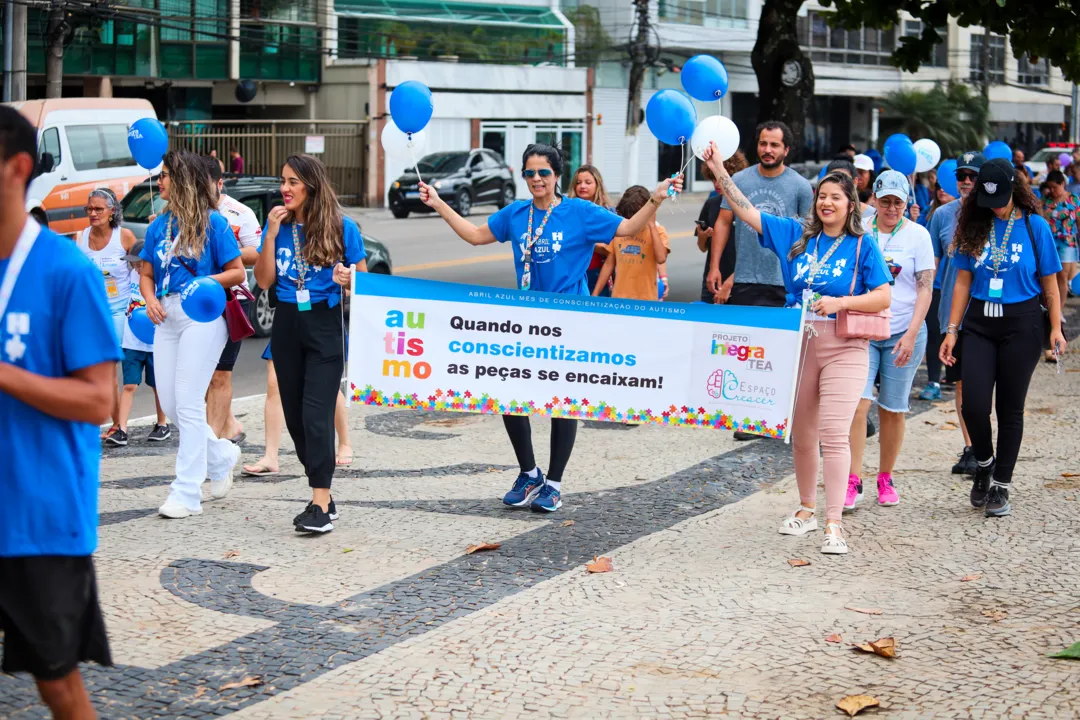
column 555, row 237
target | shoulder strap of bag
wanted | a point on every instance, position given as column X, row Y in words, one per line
column 855, row 275
column 1034, row 245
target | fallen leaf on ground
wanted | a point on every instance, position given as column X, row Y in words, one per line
column 231, row 554
column 599, row 565
column 567, row 523
column 995, row 614
column 797, row 562
column 1073, row 370
column 482, row 546
column 929, row 422
column 864, row 611
column 949, row 426
column 1070, row 474
column 969, row 578
column 885, row 647
column 1070, row 653
column 855, row 704
column 835, row 638
column 346, row 550
column 249, row 681
column 200, row 692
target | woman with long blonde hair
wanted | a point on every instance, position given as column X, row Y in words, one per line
column 189, row 240
column 588, row 184
column 308, row 246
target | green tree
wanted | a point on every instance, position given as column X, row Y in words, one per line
column 785, row 74
column 590, row 38
column 951, row 115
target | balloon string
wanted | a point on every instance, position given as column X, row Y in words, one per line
column 412, row 154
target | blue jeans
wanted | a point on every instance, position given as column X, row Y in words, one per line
column 895, row 390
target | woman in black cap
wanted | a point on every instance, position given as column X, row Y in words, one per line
column 1005, row 258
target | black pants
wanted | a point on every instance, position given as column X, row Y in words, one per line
column 933, row 339
column 999, row 354
column 309, row 359
column 758, row 295
column 563, row 434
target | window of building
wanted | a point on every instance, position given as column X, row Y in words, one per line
column 997, row 59
column 850, row 47
column 1032, row 72
column 940, row 57
column 707, row 13
column 98, row 146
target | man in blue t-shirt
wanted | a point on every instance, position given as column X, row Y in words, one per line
column 58, row 354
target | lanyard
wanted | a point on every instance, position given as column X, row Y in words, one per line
column 815, row 264
column 18, row 257
column 170, row 246
column 997, row 252
column 895, row 230
column 298, row 258
column 530, row 240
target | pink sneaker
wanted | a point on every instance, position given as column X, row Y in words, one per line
column 886, row 493
column 854, row 492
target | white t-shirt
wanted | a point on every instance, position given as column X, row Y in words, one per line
column 244, row 223
column 909, row 248
column 130, row 342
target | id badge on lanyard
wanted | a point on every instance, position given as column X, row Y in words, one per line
column 303, row 295
column 303, row 299
column 996, row 286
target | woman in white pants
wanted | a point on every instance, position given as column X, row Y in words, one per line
column 189, row 240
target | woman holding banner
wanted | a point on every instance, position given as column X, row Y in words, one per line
column 308, row 245
column 556, row 237
column 825, row 262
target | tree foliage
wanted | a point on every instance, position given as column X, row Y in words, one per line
column 591, row 41
column 952, row 115
column 1035, row 29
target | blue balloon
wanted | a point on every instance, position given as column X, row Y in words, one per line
column 148, row 142
column 411, row 106
column 203, row 299
column 879, row 161
column 1074, row 285
column 821, row 174
column 901, row 156
column 893, row 140
column 946, row 177
column 671, row 117
column 704, row 78
column 998, row 150
column 142, row 327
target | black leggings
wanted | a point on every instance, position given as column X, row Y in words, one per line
column 563, row 434
column 933, row 339
column 999, row 353
column 309, row 360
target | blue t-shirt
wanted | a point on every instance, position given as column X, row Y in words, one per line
column 221, row 247
column 942, row 227
column 1020, row 281
column 319, row 280
column 834, row 277
column 561, row 256
column 57, row 321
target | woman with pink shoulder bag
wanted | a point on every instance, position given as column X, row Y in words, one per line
column 843, row 283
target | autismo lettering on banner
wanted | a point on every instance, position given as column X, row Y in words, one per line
column 441, row 346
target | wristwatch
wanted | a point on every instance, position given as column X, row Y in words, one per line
column 654, row 201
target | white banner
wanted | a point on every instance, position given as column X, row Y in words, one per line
column 443, row 346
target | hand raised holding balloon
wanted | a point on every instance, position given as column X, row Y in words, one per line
column 428, row 196
column 675, row 183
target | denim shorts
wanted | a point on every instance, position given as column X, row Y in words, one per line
column 895, row 390
column 137, row 366
column 1068, row 254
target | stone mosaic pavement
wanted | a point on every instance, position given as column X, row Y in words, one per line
column 703, row 615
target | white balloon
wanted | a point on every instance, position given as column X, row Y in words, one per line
column 718, row 129
column 400, row 146
column 927, row 155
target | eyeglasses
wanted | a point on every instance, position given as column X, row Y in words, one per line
column 962, row 176
column 95, row 210
column 543, row 172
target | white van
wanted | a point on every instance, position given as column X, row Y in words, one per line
column 82, row 145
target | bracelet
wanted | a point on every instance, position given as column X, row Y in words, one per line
column 654, row 201
column 953, row 330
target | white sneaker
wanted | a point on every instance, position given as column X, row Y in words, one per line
column 220, row 488
column 795, row 525
column 176, row 510
column 834, row 543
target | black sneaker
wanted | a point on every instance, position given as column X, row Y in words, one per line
column 313, row 520
column 967, row 464
column 118, row 438
column 744, row 436
column 980, row 486
column 997, row 501
column 159, row 433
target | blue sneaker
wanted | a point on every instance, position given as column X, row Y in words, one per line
column 548, row 500
column 931, row 392
column 525, row 489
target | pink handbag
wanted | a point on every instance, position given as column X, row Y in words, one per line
column 862, row 325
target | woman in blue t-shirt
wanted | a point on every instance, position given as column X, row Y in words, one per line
column 820, row 257
column 189, row 240
column 308, row 247
column 1005, row 259
column 554, row 238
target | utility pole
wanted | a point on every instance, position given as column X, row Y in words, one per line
column 9, row 37
column 18, row 45
column 55, row 33
column 639, row 63
column 1074, row 115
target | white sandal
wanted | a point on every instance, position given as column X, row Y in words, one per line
column 834, row 544
column 795, row 525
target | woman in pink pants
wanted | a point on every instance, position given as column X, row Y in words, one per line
column 819, row 257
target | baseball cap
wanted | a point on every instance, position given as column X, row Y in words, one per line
column 133, row 256
column 995, row 183
column 864, row 162
column 891, row 182
column 971, row 160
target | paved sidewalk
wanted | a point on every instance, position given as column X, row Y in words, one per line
column 702, row 616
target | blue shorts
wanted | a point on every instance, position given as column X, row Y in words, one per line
column 895, row 390
column 1067, row 254
column 137, row 365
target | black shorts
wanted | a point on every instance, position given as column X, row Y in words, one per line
column 758, row 295
column 952, row 374
column 231, row 351
column 50, row 615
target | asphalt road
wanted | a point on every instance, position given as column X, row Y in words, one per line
column 423, row 246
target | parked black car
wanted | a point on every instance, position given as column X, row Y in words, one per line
column 463, row 179
column 260, row 194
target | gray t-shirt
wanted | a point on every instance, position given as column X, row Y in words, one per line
column 786, row 195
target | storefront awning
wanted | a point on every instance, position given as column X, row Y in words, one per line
column 452, row 12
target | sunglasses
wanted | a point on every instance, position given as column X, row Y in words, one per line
column 962, row 176
column 544, row 172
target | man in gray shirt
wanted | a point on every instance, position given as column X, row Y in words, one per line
column 775, row 189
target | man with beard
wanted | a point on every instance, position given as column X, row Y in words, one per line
column 772, row 188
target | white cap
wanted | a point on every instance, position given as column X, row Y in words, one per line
column 864, row 162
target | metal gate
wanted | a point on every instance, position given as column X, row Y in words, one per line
column 264, row 145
